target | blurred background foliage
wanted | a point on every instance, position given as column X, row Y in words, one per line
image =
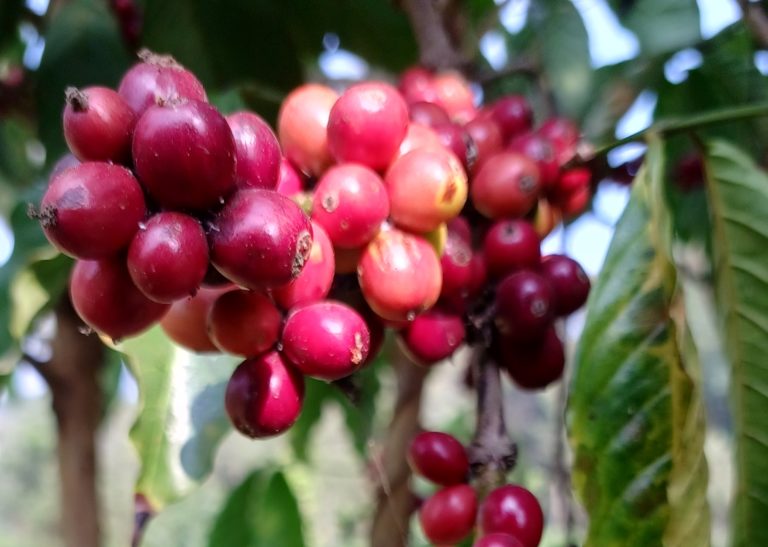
column 615, row 66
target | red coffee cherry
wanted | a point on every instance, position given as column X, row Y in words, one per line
column 534, row 364
column 264, row 396
column 512, row 510
column 106, row 299
column 289, row 182
column 523, row 306
column 428, row 114
column 511, row 245
column 498, row 540
column 507, row 185
column 92, row 210
column 168, row 256
column 449, row 515
column 513, row 115
column 244, row 323
column 327, row 340
column 186, row 322
column 433, row 336
column 256, row 149
column 486, row 136
column 539, row 149
column 569, row 282
column 438, row 457
column 98, row 124
column 158, row 79
column 417, row 136
column 456, row 265
column 564, row 136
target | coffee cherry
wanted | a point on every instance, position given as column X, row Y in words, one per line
column 264, row 396
column 289, row 181
column 564, row 136
column 433, row 336
column 512, row 510
column 511, row 245
column 186, row 322
column 214, row 279
column 426, row 187
column 576, row 203
column 106, row 299
column 256, row 150
column 437, row 238
column 326, row 340
column 244, row 323
column 449, row 515
column 62, row 164
column 486, row 136
column 534, row 364
column 456, row 265
column 417, row 85
column 350, row 201
column 523, row 306
column 158, row 79
column 455, row 139
column 507, row 185
column 92, row 210
column 540, row 150
column 569, row 282
column 314, row 281
column 513, row 115
column 168, row 257
column 438, row 457
column 569, row 182
column 301, row 127
column 498, row 540
column 260, row 239
column 185, row 155
column 417, row 136
column 98, row 125
column 428, row 114
column 367, row 125
column 399, row 275
column 455, row 96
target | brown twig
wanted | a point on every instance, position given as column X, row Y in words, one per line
column 435, row 47
column 756, row 21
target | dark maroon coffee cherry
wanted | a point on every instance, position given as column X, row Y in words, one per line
column 244, row 323
column 168, row 256
column 184, row 155
column 264, row 396
column 513, row 115
column 456, row 264
column 326, row 340
column 512, row 510
column 106, row 299
column 98, row 125
column 449, row 515
column 454, row 138
column 156, row 80
column 429, row 114
column 257, row 151
column 433, row 336
column 534, row 364
column 439, row 457
column 498, row 540
column 509, row 246
column 92, row 210
column 261, row 239
column 538, row 148
column 569, row 282
column 523, row 306
column 564, row 136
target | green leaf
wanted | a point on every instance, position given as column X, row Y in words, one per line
column 635, row 412
column 565, row 56
column 182, row 417
column 662, row 26
column 738, row 194
column 261, row 511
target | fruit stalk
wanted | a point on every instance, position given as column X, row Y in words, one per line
column 435, row 48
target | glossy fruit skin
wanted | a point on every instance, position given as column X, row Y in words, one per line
column 564, row 136
column 417, row 136
column 289, row 181
column 511, row 245
column 449, row 515
column 98, row 125
column 367, row 125
column 106, row 299
column 184, row 155
column 536, row 363
column 315, row 280
column 302, row 127
column 507, row 185
column 570, row 283
column 399, row 275
column 427, row 187
column 486, row 136
column 428, row 114
column 454, row 138
column 456, row 265
column 350, row 201
column 513, row 115
column 569, row 183
column 92, row 210
column 498, row 540
column 523, row 306
column 244, row 323
column 186, row 322
column 326, row 340
column 168, row 256
column 417, row 85
column 264, row 396
column 511, row 509
column 256, row 150
column 438, row 457
column 261, row 239
column 433, row 336
column 455, row 95
column 540, row 150
column 157, row 80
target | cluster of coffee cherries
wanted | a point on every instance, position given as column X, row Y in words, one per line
column 509, row 516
